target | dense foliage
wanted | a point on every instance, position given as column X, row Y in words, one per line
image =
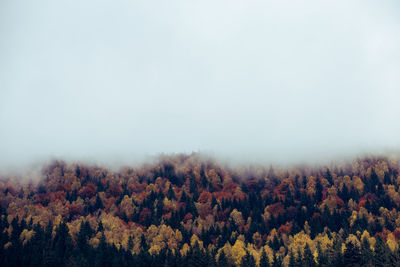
column 188, row 211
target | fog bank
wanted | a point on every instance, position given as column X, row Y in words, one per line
column 272, row 81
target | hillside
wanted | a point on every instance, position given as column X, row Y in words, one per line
column 188, row 211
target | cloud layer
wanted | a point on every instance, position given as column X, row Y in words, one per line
column 275, row 80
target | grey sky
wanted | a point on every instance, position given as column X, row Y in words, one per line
column 277, row 80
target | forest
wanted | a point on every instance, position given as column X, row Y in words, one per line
column 189, row 210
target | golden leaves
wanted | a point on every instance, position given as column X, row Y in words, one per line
column 26, row 235
column 237, row 217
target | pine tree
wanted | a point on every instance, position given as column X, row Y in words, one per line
column 100, row 227
column 336, row 257
column 318, row 191
column 62, row 244
column 381, row 255
column 277, row 261
column 197, row 257
column 171, row 193
column 292, row 259
column 322, row 257
column 352, row 255
column 193, row 185
column 130, row 243
column 222, row 260
column 308, row 258
column 98, row 204
column 366, row 253
column 248, row 260
column 264, row 261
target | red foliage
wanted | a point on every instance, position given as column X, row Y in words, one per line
column 396, row 234
column 367, row 197
column 361, row 203
column 63, row 187
column 115, row 190
column 285, row 229
column 230, row 187
column 88, row 191
column 316, row 217
column 384, row 234
column 74, row 210
column 204, row 197
column 216, row 187
column 222, row 216
column 276, row 208
column 339, row 201
column 168, row 216
column 240, row 195
column 222, row 195
column 252, row 185
column 12, row 191
column 43, row 199
column 59, row 195
column 187, row 217
column 203, row 211
column 137, row 187
column 143, row 215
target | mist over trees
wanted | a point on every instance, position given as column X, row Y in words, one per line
column 185, row 210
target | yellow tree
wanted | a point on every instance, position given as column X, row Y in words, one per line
column 238, row 251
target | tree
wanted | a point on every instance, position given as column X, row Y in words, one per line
column 171, row 193
column 292, row 259
column 62, row 244
column 352, row 255
column 248, row 261
column 308, row 258
column 193, row 187
column 366, row 253
column 322, row 257
column 264, row 261
column 382, row 254
column 84, row 234
column 222, row 261
column 318, row 190
column 277, row 261
column 197, row 257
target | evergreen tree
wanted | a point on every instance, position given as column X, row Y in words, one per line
column 308, row 258
column 318, row 190
column 381, row 253
column 222, row 260
column 248, row 261
column 264, row 261
column 277, row 261
column 197, row 257
column 322, row 257
column 292, row 259
column 352, row 255
column 100, row 227
column 171, row 193
column 366, row 253
column 193, row 187
column 336, row 257
column 62, row 245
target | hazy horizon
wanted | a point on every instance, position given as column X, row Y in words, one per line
column 262, row 81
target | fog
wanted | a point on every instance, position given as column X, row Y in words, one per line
column 274, row 81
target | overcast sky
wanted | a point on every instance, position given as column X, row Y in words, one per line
column 275, row 80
